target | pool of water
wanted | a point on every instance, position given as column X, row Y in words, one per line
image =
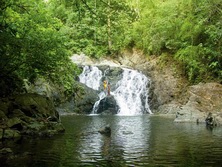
column 135, row 141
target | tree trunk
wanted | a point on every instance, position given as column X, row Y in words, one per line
column 109, row 27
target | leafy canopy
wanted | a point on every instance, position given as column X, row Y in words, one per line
column 32, row 44
column 188, row 29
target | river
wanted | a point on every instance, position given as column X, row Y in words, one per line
column 141, row 140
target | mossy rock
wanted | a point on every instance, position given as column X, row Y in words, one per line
column 35, row 105
column 11, row 134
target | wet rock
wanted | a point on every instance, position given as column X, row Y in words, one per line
column 113, row 75
column 84, row 100
column 210, row 120
column 108, row 106
column 106, row 130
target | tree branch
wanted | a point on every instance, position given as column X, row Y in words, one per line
column 87, row 6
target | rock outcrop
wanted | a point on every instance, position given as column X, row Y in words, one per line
column 204, row 98
column 105, row 131
column 28, row 114
column 108, row 106
column 113, row 75
column 85, row 99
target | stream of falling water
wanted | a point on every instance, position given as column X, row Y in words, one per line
column 130, row 92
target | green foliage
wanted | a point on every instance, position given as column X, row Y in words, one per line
column 87, row 24
column 190, row 30
column 33, row 44
column 37, row 37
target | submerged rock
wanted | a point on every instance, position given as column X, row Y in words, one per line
column 106, row 130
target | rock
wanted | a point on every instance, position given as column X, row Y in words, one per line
column 11, row 134
column 113, row 75
column 36, row 127
column 34, row 105
column 52, row 119
column 189, row 114
column 2, row 116
column 106, row 130
column 167, row 84
column 84, row 100
column 107, row 112
column 29, row 114
column 4, row 105
column 6, row 151
column 17, row 113
column 169, row 92
column 14, row 123
column 203, row 99
column 108, row 106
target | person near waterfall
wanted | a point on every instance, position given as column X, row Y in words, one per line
column 105, row 85
column 108, row 89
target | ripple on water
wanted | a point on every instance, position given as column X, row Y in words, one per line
column 135, row 141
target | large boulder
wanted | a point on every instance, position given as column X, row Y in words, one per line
column 30, row 114
column 46, row 88
column 85, row 99
column 108, row 106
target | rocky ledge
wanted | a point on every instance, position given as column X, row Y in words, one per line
column 28, row 115
column 204, row 98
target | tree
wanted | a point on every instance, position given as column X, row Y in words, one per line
column 32, row 44
column 96, row 27
column 189, row 30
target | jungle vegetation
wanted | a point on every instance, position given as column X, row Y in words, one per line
column 37, row 37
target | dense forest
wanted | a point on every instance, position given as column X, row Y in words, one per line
column 37, row 37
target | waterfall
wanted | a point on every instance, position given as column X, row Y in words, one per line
column 102, row 95
column 130, row 92
column 91, row 77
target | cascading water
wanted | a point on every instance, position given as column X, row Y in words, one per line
column 102, row 95
column 91, row 77
column 130, row 93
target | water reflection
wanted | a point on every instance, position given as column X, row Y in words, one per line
column 128, row 140
column 135, row 141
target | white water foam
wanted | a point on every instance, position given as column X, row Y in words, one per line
column 91, row 77
column 131, row 92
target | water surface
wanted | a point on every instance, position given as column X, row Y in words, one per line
column 135, row 141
